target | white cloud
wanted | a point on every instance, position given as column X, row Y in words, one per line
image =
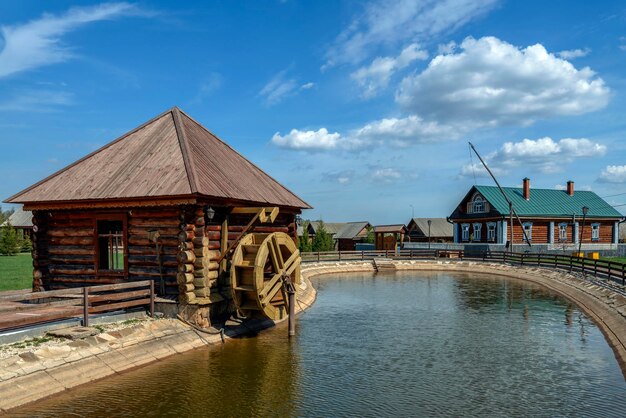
column 448, row 48
column 404, row 131
column 543, row 154
column 38, row 42
column 307, row 140
column 208, row 86
column 398, row 132
column 36, row 101
column 490, row 82
column 393, row 22
column 386, row 175
column 341, row 177
column 613, row 174
column 376, row 76
column 574, row 53
column 307, row 86
column 278, row 88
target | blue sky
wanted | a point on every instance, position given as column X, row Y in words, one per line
column 363, row 109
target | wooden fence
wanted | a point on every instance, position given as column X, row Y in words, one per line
column 611, row 270
column 25, row 309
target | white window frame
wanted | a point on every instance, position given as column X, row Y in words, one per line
column 528, row 228
column 465, row 232
column 478, row 204
column 477, row 229
column 595, row 232
column 563, row 232
column 491, row 231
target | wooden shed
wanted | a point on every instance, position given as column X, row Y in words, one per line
column 388, row 236
column 167, row 201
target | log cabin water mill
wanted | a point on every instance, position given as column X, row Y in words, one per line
column 172, row 203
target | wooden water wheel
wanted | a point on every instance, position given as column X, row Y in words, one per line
column 259, row 265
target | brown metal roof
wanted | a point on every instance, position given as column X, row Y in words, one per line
column 170, row 155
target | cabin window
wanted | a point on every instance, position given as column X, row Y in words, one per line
column 563, row 232
column 465, row 232
column 528, row 228
column 595, row 232
column 111, row 244
column 477, row 230
column 491, row 231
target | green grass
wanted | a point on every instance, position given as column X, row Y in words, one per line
column 616, row 259
column 16, row 272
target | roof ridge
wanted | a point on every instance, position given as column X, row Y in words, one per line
column 238, row 153
column 66, row 168
column 184, row 149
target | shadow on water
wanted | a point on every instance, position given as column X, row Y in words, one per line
column 406, row 344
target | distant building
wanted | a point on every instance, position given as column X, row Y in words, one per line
column 548, row 216
column 351, row 234
column 388, row 236
column 22, row 221
column 439, row 230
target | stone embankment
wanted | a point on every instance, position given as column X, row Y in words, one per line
column 42, row 366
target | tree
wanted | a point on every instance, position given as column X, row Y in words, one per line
column 305, row 242
column 323, row 240
column 9, row 243
column 371, row 238
column 26, row 245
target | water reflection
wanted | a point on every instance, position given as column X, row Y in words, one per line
column 427, row 344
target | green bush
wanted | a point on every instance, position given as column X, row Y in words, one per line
column 26, row 245
column 304, row 244
column 9, row 242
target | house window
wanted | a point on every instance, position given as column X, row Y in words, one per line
column 563, row 231
column 478, row 206
column 477, row 230
column 110, row 246
column 528, row 228
column 465, row 232
column 595, row 232
column 491, row 231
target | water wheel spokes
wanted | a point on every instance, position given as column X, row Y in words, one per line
column 260, row 266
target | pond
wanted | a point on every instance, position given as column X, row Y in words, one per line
column 404, row 344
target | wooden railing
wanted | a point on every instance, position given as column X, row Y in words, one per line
column 601, row 268
column 25, row 309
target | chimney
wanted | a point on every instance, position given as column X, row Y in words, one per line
column 526, row 188
column 570, row 188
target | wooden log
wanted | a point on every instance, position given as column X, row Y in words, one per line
column 144, row 241
column 184, row 278
column 143, row 232
column 201, row 251
column 185, row 287
column 153, row 223
column 187, row 298
column 69, row 250
column 216, row 228
column 187, row 245
column 184, row 236
column 185, row 268
column 200, row 231
column 136, row 250
column 151, row 213
column 70, row 232
column 187, row 226
column 199, row 282
column 37, row 275
column 199, row 221
column 71, row 240
column 202, row 292
column 56, row 271
column 201, row 262
column 201, row 241
column 213, row 255
column 186, row 257
column 214, row 235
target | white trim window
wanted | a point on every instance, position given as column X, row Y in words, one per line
column 491, row 231
column 595, row 232
column 563, row 232
column 477, row 232
column 465, row 232
column 478, row 204
column 528, row 228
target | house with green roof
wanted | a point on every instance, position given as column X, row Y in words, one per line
column 548, row 216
